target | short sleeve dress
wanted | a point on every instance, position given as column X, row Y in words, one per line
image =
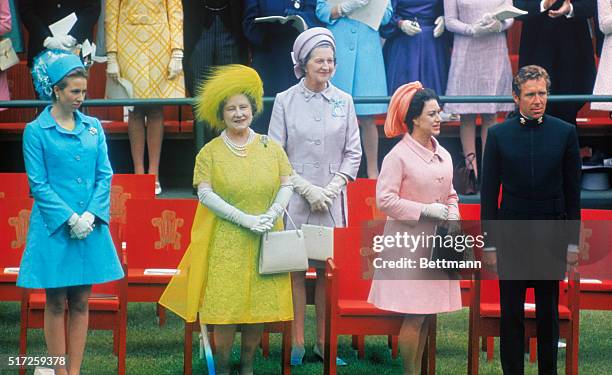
column 219, row 276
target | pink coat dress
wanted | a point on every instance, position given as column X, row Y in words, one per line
column 412, row 176
column 5, row 27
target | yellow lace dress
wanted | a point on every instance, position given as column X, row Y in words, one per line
column 218, row 275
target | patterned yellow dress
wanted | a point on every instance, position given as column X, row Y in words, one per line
column 218, row 276
column 143, row 33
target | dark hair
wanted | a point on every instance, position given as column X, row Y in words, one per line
column 251, row 101
column 63, row 83
column 528, row 73
column 416, row 105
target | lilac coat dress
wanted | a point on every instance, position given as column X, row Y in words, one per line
column 5, row 27
column 412, row 176
column 320, row 134
column 479, row 65
column 603, row 83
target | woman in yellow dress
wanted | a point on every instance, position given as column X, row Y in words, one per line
column 243, row 184
column 144, row 44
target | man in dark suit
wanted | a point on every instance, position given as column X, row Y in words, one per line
column 555, row 35
column 535, row 159
column 213, row 36
column 37, row 15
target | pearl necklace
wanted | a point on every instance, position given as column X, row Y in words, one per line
column 238, row 150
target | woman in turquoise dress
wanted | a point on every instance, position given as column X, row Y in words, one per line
column 69, row 246
column 243, row 187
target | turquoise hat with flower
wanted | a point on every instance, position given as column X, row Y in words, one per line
column 50, row 67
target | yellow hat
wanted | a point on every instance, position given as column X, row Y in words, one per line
column 223, row 83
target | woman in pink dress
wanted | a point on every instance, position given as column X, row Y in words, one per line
column 415, row 191
column 5, row 27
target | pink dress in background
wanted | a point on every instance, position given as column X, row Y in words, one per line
column 5, row 27
column 412, row 176
column 479, row 65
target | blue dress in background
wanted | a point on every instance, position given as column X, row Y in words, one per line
column 420, row 57
column 360, row 67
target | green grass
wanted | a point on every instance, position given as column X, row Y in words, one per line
column 159, row 350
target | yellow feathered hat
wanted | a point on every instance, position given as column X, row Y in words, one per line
column 223, row 83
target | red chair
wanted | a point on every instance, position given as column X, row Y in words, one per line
column 347, row 309
column 14, row 185
column 276, row 327
column 107, row 311
column 123, row 188
column 158, row 232
column 485, row 316
column 14, row 222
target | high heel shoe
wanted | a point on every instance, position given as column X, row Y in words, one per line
column 297, row 355
column 317, row 352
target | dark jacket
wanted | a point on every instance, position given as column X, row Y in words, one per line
column 562, row 46
column 37, row 15
column 198, row 18
column 538, row 168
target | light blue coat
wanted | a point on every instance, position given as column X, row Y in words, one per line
column 360, row 67
column 69, row 172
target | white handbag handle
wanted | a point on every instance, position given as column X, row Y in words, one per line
column 299, row 234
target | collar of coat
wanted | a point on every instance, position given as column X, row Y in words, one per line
column 47, row 121
column 530, row 122
column 422, row 152
column 308, row 94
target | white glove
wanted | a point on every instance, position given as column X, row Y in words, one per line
column 65, row 42
column 81, row 226
column 335, row 185
column 352, row 5
column 410, row 27
column 439, row 29
column 112, row 67
column 318, row 198
column 437, row 211
column 281, row 201
column 255, row 223
column 175, row 66
column 486, row 25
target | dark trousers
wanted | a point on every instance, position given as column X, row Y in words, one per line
column 216, row 46
column 512, row 330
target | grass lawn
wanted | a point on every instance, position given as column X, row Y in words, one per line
column 159, row 350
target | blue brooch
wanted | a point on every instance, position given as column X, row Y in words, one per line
column 337, row 107
column 93, row 131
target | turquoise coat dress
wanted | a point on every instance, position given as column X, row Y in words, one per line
column 69, row 172
column 360, row 69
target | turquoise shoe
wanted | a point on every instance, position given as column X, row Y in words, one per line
column 297, row 355
column 339, row 361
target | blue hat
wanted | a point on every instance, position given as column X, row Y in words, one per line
column 59, row 68
column 49, row 67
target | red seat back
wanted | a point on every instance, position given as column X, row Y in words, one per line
column 14, row 222
column 353, row 262
column 158, row 231
column 14, row 185
column 361, row 196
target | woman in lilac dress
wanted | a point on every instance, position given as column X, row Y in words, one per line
column 415, row 36
column 479, row 65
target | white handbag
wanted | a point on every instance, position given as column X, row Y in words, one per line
column 319, row 240
column 8, row 57
column 283, row 251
